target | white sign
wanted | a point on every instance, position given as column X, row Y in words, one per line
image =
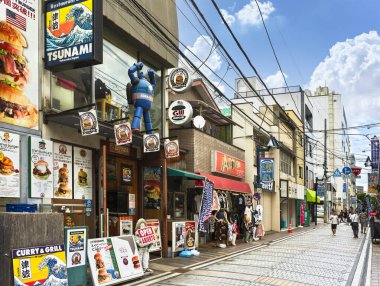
column 82, row 174
column 89, row 122
column 76, row 247
column 155, row 225
column 9, row 165
column 114, row 260
column 63, row 170
column 41, row 168
column 123, row 133
column 171, row 149
column 19, row 29
column 180, row 80
column 180, row 112
column 151, row 142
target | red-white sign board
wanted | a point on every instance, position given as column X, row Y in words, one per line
column 356, row 171
column 146, row 235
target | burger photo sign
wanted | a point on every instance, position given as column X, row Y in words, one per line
column 19, row 72
column 9, row 165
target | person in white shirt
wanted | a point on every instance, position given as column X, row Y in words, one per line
column 355, row 224
column 334, row 222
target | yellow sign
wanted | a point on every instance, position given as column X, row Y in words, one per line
column 42, row 265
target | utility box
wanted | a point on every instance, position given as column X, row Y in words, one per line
column 19, row 230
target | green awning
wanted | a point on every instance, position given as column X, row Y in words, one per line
column 184, row 174
column 310, row 196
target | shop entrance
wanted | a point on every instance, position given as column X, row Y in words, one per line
column 122, row 181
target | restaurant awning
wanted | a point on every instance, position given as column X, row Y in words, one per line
column 183, row 174
column 228, row 184
column 310, row 196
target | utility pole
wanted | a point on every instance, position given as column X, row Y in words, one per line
column 325, row 175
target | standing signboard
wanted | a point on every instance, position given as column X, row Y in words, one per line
column 9, row 165
column 20, row 73
column 73, row 33
column 63, row 170
column 40, row 168
column 114, row 260
column 82, row 173
column 185, row 235
column 155, row 225
column 41, row 265
column 76, row 253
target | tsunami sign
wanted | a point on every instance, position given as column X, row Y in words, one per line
column 337, row 173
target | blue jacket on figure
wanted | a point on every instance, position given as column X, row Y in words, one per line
column 142, row 96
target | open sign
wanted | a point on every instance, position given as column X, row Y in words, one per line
column 146, row 235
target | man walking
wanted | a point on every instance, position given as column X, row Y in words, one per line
column 363, row 218
column 355, row 224
column 334, row 222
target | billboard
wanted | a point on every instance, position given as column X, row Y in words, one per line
column 19, row 88
column 375, row 153
column 227, row 165
column 73, row 34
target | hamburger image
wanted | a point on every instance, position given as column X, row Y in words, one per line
column 136, row 262
column 152, row 192
column 41, row 170
column 15, row 107
column 63, row 190
column 82, row 178
column 103, row 276
column 63, row 174
column 87, row 123
column 6, row 167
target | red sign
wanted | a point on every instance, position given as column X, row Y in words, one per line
column 228, row 165
column 146, row 235
column 190, row 225
column 356, row 171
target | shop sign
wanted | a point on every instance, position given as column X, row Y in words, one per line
column 73, row 33
column 114, row 260
column 227, row 165
column 123, row 133
column 372, row 182
column 119, row 149
column 76, row 240
column 89, row 122
column 171, row 149
column 268, row 186
column 19, row 26
column 82, row 173
column 356, row 171
column 180, row 112
column 125, row 225
column 206, row 206
column 155, row 225
column 344, row 188
column 151, row 142
column 302, row 212
column 146, row 236
column 41, row 167
column 226, row 111
column 9, row 165
column 321, row 189
column 152, row 187
column 266, row 170
column 180, row 80
column 63, row 170
column 41, row 265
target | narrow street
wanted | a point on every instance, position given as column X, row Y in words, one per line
column 313, row 258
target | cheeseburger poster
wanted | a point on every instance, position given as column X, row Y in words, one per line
column 19, row 89
column 9, row 165
column 41, row 168
column 82, row 173
column 63, row 170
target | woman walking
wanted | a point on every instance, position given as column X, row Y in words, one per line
column 363, row 218
column 355, row 224
column 334, row 222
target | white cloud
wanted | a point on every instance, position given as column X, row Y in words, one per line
column 201, row 48
column 275, row 80
column 230, row 19
column 250, row 14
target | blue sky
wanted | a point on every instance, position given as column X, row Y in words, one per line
column 332, row 42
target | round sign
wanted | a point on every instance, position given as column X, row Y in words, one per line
column 180, row 112
column 179, row 80
column 256, row 196
column 346, row 170
column 199, row 122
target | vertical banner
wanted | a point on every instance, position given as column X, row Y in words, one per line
column 152, row 187
column 9, row 165
column 206, row 207
column 19, row 84
column 375, row 153
column 267, row 174
column 82, row 173
column 63, row 170
column 372, row 182
column 41, row 167
column 41, row 265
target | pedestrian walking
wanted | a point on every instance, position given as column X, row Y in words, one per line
column 334, row 220
column 345, row 215
column 341, row 216
column 355, row 224
column 363, row 218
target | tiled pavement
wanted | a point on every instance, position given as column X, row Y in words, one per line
column 375, row 265
column 312, row 258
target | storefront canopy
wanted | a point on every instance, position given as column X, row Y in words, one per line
column 310, row 196
column 228, row 184
column 184, row 174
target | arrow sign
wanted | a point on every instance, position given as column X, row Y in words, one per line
column 356, row 171
column 346, row 170
column 337, row 173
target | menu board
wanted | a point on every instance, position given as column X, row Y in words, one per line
column 82, row 173
column 155, row 225
column 63, row 170
column 76, row 247
column 184, row 235
column 40, row 168
column 9, row 165
column 125, row 225
column 114, row 260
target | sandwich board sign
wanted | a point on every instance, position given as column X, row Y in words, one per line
column 337, row 173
